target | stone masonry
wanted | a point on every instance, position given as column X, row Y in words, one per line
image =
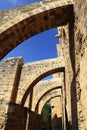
column 8, row 80
column 34, row 72
column 42, row 87
column 14, row 70
column 48, row 97
column 56, row 113
column 36, row 17
column 17, row 80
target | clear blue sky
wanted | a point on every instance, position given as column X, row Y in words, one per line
column 39, row 47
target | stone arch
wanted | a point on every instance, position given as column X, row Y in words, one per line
column 42, row 87
column 56, row 88
column 16, row 25
column 51, row 64
column 45, row 97
column 56, row 70
column 47, row 66
column 34, row 113
column 32, row 73
column 49, row 98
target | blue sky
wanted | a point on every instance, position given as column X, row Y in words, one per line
column 39, row 47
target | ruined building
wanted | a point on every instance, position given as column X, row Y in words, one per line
column 22, row 93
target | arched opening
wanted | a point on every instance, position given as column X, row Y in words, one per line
column 56, row 70
column 50, row 94
column 58, row 122
column 41, row 88
column 13, row 43
column 56, row 108
column 37, row 105
column 52, row 122
column 44, row 17
column 36, row 48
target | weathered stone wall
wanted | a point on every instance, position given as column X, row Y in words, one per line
column 16, row 117
column 8, row 80
column 80, row 28
column 33, row 72
column 78, row 59
column 56, row 103
column 81, row 60
column 56, row 110
column 63, row 50
column 74, row 45
column 35, row 121
column 82, row 102
column 64, row 42
column 80, row 8
column 13, row 73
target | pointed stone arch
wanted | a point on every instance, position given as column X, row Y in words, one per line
column 51, row 92
column 42, row 69
column 47, row 100
column 44, row 86
column 21, row 23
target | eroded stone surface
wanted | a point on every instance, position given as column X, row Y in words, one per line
column 24, row 22
column 73, row 45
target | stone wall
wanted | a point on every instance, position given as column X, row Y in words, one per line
column 56, row 110
column 82, row 102
column 13, row 73
column 32, row 73
column 8, row 80
column 76, row 53
column 73, row 39
column 81, row 58
column 35, row 121
column 16, row 117
column 63, row 50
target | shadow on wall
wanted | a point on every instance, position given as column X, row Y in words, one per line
column 35, row 121
column 16, row 117
column 56, row 123
column 74, row 124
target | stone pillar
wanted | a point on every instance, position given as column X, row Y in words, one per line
column 10, row 70
column 16, row 117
